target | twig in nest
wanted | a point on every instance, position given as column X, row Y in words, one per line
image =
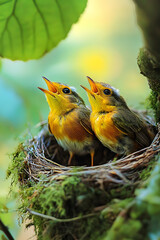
column 58, row 219
column 42, row 149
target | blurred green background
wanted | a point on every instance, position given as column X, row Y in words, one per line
column 104, row 45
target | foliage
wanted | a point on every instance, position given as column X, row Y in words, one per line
column 29, row 29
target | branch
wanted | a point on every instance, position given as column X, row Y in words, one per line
column 4, row 229
column 148, row 17
column 150, row 68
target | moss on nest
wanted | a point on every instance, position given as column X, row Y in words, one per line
column 140, row 219
column 67, row 199
column 77, row 202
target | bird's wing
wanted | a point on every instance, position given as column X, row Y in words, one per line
column 128, row 123
column 86, row 125
column 84, row 118
column 49, row 128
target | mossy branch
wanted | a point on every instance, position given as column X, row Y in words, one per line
column 148, row 17
column 150, row 68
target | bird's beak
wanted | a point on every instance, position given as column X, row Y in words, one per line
column 46, row 91
column 86, row 89
column 94, row 88
column 51, row 85
column 93, row 85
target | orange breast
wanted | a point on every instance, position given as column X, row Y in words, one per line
column 104, row 128
column 68, row 126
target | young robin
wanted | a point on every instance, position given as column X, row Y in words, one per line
column 69, row 120
column 114, row 124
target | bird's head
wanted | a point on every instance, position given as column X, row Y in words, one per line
column 60, row 97
column 103, row 97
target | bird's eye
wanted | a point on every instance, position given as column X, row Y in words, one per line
column 107, row 91
column 66, row 90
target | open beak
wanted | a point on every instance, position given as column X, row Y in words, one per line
column 46, row 91
column 94, row 88
column 87, row 90
column 93, row 85
column 51, row 85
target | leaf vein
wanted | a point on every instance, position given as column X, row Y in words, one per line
column 43, row 20
column 21, row 31
column 61, row 15
column 10, row 41
column 34, row 35
column 6, row 24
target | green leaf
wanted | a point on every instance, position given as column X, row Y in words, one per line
column 31, row 28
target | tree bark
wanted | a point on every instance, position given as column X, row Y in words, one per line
column 148, row 17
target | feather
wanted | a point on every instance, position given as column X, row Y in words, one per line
column 128, row 123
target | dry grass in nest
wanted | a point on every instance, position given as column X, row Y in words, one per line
column 45, row 156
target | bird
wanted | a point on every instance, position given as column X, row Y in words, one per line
column 114, row 123
column 69, row 120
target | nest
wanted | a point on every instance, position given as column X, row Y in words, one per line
column 79, row 201
column 45, row 156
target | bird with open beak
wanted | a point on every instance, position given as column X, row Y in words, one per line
column 114, row 124
column 69, row 120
